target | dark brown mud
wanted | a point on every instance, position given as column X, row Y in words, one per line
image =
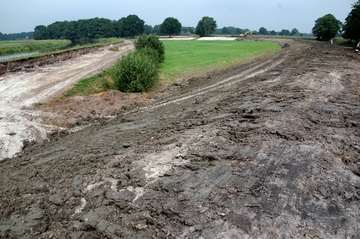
column 269, row 149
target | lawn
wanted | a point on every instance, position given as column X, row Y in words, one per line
column 184, row 58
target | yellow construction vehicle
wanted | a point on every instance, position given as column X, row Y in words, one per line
column 242, row 36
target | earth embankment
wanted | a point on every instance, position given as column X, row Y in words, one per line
column 268, row 149
column 19, row 91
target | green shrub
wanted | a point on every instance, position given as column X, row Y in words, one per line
column 150, row 53
column 151, row 41
column 136, row 72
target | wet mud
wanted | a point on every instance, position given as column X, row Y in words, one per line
column 267, row 149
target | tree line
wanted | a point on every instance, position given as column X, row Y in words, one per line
column 16, row 36
column 262, row 31
column 86, row 30
column 327, row 27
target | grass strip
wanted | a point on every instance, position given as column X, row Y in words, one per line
column 24, row 46
column 46, row 47
column 185, row 58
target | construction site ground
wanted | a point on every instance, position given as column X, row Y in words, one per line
column 266, row 149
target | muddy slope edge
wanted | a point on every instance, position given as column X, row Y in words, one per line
column 38, row 61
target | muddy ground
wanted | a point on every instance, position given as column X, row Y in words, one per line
column 268, row 149
column 19, row 91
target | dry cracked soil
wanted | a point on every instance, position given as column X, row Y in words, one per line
column 266, row 149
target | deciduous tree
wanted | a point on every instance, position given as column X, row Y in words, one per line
column 284, row 32
column 190, row 30
column 294, row 32
column 206, row 26
column 352, row 23
column 131, row 26
column 225, row 30
column 40, row 32
column 157, row 30
column 326, row 27
column 171, row 26
column 148, row 29
column 263, row 31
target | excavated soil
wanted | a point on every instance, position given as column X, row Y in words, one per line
column 267, row 149
column 39, row 84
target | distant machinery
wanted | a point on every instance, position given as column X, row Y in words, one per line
column 248, row 33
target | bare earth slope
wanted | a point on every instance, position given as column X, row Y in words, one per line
column 269, row 149
column 20, row 90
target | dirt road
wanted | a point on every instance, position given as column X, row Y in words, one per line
column 20, row 90
column 269, row 149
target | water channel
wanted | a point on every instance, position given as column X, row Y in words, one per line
column 19, row 55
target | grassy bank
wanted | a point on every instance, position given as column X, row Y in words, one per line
column 185, row 58
column 23, row 46
column 47, row 46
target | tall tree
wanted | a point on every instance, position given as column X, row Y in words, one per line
column 188, row 30
column 284, row 32
column 70, row 31
column 171, row 26
column 83, row 31
column 148, row 29
column 157, row 30
column 232, row 30
column 205, row 26
column 352, row 23
column 116, row 27
column 40, row 32
column 294, row 32
column 263, row 31
column 131, row 26
column 326, row 27
column 225, row 30
column 56, row 30
column 101, row 28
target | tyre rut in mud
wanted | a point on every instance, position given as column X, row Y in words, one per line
column 271, row 153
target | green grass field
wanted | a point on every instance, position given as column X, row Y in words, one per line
column 187, row 58
column 184, row 58
column 22, row 46
column 47, row 46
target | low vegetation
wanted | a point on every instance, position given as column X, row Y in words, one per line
column 153, row 42
column 23, row 46
column 135, row 72
column 139, row 70
column 182, row 59
column 48, row 46
column 92, row 85
column 344, row 42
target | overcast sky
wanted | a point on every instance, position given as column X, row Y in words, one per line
column 24, row 15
